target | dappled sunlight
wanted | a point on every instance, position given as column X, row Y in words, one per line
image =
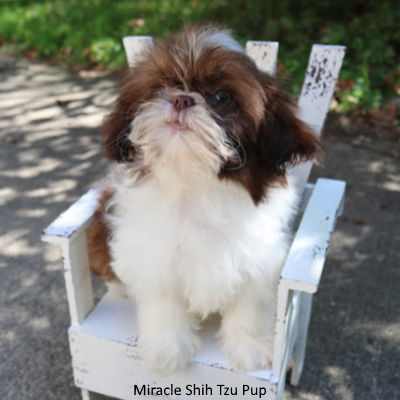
column 8, row 336
column 29, row 156
column 79, row 169
column 29, row 281
column 33, row 213
column 11, row 236
column 49, row 155
column 392, row 186
column 47, row 78
column 17, row 247
column 92, row 120
column 22, row 315
column 87, row 155
column 337, row 377
column 349, row 240
column 55, row 187
column 47, row 132
column 11, row 102
column 7, row 194
column 72, row 98
column 395, row 177
column 57, row 198
column 38, row 115
column 104, row 99
column 52, row 257
column 387, row 331
column 39, row 323
column 24, row 172
column 376, row 166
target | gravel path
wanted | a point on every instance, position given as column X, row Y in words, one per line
column 49, row 155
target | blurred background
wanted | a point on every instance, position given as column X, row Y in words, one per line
column 60, row 62
column 87, row 33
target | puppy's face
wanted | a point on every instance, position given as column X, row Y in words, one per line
column 196, row 99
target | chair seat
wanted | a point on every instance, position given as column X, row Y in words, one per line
column 104, row 349
column 114, row 319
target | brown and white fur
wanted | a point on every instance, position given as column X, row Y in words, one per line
column 195, row 216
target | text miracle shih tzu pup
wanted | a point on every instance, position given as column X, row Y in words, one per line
column 194, row 217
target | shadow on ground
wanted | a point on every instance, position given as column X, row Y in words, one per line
column 354, row 342
column 50, row 155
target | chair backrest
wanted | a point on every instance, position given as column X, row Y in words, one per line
column 319, row 83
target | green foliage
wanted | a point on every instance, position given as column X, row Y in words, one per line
column 88, row 33
column 107, row 51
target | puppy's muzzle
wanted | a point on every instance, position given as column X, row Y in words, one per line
column 182, row 102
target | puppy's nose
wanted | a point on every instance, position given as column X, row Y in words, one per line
column 183, row 101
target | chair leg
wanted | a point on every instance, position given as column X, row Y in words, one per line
column 300, row 345
column 85, row 394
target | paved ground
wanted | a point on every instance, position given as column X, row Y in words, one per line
column 49, row 155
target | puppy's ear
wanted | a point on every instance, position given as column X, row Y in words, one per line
column 115, row 130
column 136, row 87
column 270, row 142
column 283, row 139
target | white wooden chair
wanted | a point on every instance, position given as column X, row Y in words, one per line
column 103, row 336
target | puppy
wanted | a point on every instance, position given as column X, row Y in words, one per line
column 194, row 219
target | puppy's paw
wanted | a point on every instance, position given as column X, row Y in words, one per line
column 169, row 351
column 246, row 352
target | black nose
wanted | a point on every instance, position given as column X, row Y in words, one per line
column 183, row 101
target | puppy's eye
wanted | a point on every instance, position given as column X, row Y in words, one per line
column 173, row 83
column 220, row 97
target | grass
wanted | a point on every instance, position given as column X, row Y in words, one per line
column 87, row 33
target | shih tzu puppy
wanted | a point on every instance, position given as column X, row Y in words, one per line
column 194, row 217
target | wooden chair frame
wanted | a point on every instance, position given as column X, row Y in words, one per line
column 103, row 336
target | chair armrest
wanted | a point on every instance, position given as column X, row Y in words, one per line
column 73, row 220
column 68, row 232
column 305, row 261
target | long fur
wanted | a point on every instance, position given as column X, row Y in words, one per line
column 196, row 216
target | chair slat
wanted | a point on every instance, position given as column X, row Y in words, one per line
column 319, row 85
column 134, row 45
column 264, row 54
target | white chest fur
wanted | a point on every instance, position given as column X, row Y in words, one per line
column 201, row 240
